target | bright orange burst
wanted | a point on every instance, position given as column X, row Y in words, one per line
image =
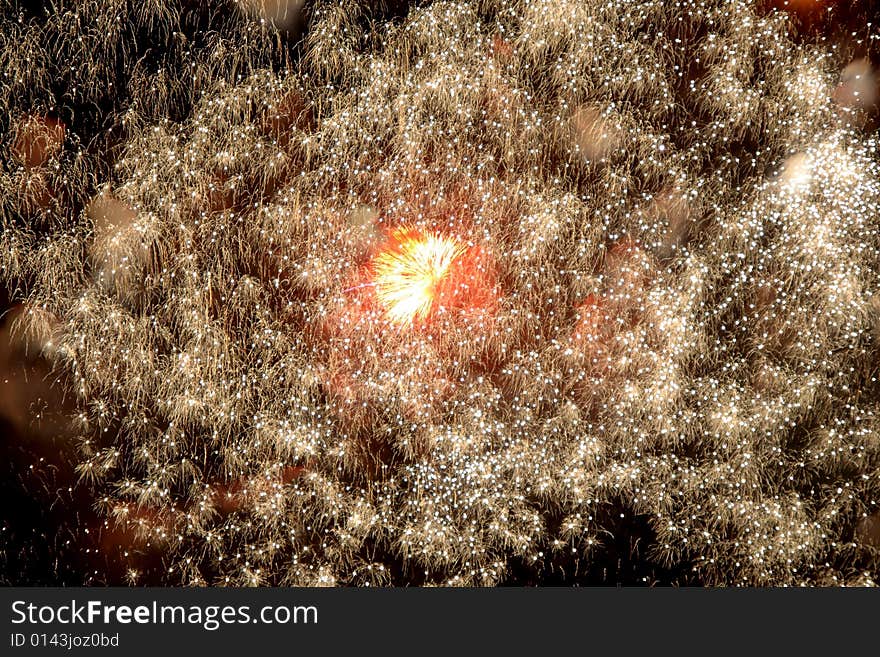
column 409, row 273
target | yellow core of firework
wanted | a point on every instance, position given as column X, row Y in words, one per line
column 409, row 272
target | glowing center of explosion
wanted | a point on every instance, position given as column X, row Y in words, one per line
column 409, row 272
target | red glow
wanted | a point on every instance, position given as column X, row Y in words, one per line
column 589, row 325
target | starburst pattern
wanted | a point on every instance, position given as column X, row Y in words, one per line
column 641, row 237
column 410, row 271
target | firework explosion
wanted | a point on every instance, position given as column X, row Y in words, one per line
column 456, row 293
column 410, row 273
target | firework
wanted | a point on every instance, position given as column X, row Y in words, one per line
column 412, row 273
column 455, row 293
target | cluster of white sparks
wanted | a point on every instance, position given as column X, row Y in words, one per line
column 666, row 228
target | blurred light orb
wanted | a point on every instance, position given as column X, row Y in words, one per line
column 283, row 14
column 37, row 140
column 797, row 173
column 858, row 88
